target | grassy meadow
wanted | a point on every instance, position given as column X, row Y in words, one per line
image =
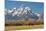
column 22, row 25
column 7, row 28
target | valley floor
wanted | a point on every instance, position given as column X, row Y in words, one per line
column 8, row 28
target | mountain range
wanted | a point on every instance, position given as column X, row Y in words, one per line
column 21, row 13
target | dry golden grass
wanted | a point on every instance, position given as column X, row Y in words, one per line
column 7, row 28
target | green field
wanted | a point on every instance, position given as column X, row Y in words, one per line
column 24, row 27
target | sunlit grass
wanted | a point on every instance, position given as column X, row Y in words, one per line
column 24, row 27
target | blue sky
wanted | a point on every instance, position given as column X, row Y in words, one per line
column 35, row 6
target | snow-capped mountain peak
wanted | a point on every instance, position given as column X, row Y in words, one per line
column 37, row 14
column 19, row 13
